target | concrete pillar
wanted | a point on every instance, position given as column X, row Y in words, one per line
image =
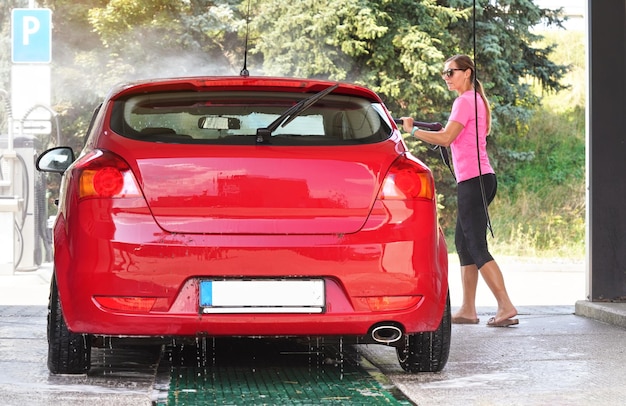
column 606, row 151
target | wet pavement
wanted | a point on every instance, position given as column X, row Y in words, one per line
column 118, row 377
column 554, row 356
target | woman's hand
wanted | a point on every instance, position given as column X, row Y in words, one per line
column 407, row 124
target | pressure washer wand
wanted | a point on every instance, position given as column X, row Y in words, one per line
column 433, row 127
column 421, row 124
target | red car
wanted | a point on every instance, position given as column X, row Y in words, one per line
column 243, row 206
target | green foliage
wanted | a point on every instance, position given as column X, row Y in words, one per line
column 540, row 207
column 401, row 52
column 398, row 48
column 98, row 43
column 374, row 43
column 507, row 52
column 395, row 47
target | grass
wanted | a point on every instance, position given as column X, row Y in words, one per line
column 540, row 207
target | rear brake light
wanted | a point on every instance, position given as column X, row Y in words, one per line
column 106, row 175
column 407, row 180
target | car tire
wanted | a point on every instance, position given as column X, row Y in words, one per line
column 68, row 353
column 427, row 351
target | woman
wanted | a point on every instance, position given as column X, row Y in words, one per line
column 471, row 226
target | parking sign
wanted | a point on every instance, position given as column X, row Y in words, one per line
column 31, row 31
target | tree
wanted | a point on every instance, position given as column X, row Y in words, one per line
column 146, row 39
column 398, row 47
column 507, row 57
column 98, row 43
column 395, row 47
column 373, row 43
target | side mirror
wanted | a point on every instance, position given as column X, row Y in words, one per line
column 55, row 160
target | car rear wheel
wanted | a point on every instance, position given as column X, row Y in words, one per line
column 68, row 353
column 427, row 351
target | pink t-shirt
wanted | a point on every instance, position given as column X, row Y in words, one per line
column 464, row 154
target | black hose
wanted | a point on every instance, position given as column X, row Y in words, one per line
column 480, row 172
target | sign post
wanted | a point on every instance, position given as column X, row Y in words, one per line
column 31, row 35
column 31, row 54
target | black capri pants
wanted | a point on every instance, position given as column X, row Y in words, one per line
column 471, row 222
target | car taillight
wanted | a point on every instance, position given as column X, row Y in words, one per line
column 104, row 174
column 407, row 180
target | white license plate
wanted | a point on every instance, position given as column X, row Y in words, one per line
column 262, row 296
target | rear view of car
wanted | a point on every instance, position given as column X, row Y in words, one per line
column 240, row 206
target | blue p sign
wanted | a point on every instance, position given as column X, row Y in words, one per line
column 32, row 35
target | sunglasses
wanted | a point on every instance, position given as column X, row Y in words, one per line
column 449, row 72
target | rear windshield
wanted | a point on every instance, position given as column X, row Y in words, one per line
column 235, row 118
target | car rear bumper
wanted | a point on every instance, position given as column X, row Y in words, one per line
column 359, row 271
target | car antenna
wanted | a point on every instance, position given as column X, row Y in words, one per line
column 244, row 71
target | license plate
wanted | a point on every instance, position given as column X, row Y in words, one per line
column 262, row 296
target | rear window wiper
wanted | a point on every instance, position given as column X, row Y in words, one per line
column 263, row 134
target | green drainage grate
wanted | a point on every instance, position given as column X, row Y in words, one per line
column 270, row 372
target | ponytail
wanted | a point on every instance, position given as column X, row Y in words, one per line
column 481, row 92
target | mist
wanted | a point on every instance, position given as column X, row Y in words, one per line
column 89, row 58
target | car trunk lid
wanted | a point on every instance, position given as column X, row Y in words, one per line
column 264, row 189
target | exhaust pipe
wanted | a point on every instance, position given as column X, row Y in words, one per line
column 386, row 334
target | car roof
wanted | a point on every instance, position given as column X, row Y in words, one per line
column 236, row 83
